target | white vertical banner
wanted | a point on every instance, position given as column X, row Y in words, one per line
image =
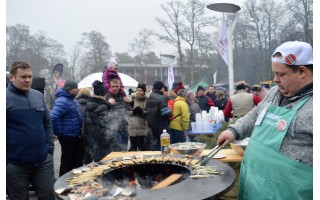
column 223, row 41
column 170, row 76
column 215, row 77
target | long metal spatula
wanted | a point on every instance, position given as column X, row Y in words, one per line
column 214, row 151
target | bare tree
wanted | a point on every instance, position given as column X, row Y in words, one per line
column 75, row 59
column 302, row 11
column 196, row 20
column 98, row 48
column 140, row 47
column 257, row 33
column 36, row 52
column 172, row 27
column 54, row 52
column 17, row 39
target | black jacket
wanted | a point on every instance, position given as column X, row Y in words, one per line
column 203, row 102
column 221, row 104
column 82, row 102
column 98, row 141
column 158, row 112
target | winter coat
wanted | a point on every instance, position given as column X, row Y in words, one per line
column 107, row 75
column 98, row 142
column 117, row 114
column 65, row 115
column 138, row 123
column 221, row 104
column 194, row 106
column 205, row 102
column 82, row 102
column 298, row 142
column 181, row 110
column 29, row 136
column 212, row 96
column 193, row 109
column 158, row 112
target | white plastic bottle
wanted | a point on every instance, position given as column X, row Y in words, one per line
column 164, row 141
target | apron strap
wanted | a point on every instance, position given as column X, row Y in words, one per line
column 301, row 103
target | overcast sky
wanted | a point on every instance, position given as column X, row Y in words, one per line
column 65, row 20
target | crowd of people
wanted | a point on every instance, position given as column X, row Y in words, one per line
column 90, row 126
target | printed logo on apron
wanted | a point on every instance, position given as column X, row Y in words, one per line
column 281, row 125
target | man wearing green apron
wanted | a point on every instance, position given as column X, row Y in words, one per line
column 278, row 160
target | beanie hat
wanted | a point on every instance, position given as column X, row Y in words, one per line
column 70, row 84
column 294, row 53
column 142, row 86
column 158, row 85
column 98, row 88
column 178, row 87
column 200, row 88
column 111, row 62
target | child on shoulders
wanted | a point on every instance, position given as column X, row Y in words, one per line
column 111, row 71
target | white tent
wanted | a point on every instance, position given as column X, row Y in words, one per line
column 127, row 81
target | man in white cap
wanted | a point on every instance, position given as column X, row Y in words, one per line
column 279, row 157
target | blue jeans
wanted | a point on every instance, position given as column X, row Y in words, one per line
column 41, row 178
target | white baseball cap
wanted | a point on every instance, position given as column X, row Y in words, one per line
column 294, row 53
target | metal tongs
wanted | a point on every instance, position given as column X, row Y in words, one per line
column 205, row 159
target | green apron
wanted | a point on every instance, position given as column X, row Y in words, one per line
column 265, row 172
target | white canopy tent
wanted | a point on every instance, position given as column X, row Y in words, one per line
column 127, row 81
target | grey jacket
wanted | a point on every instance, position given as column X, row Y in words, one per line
column 298, row 142
column 138, row 123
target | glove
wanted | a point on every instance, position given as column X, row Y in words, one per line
column 139, row 110
column 112, row 75
column 135, row 110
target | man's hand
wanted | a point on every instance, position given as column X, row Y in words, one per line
column 225, row 138
column 112, row 101
column 127, row 99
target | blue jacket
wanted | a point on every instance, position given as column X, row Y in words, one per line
column 28, row 130
column 65, row 115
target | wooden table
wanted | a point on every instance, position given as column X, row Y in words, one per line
column 231, row 155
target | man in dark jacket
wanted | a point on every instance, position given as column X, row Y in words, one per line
column 117, row 115
column 158, row 113
column 98, row 142
column 67, row 124
column 205, row 101
column 29, row 137
column 82, row 98
column 212, row 93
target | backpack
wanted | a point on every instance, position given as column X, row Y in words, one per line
column 170, row 105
